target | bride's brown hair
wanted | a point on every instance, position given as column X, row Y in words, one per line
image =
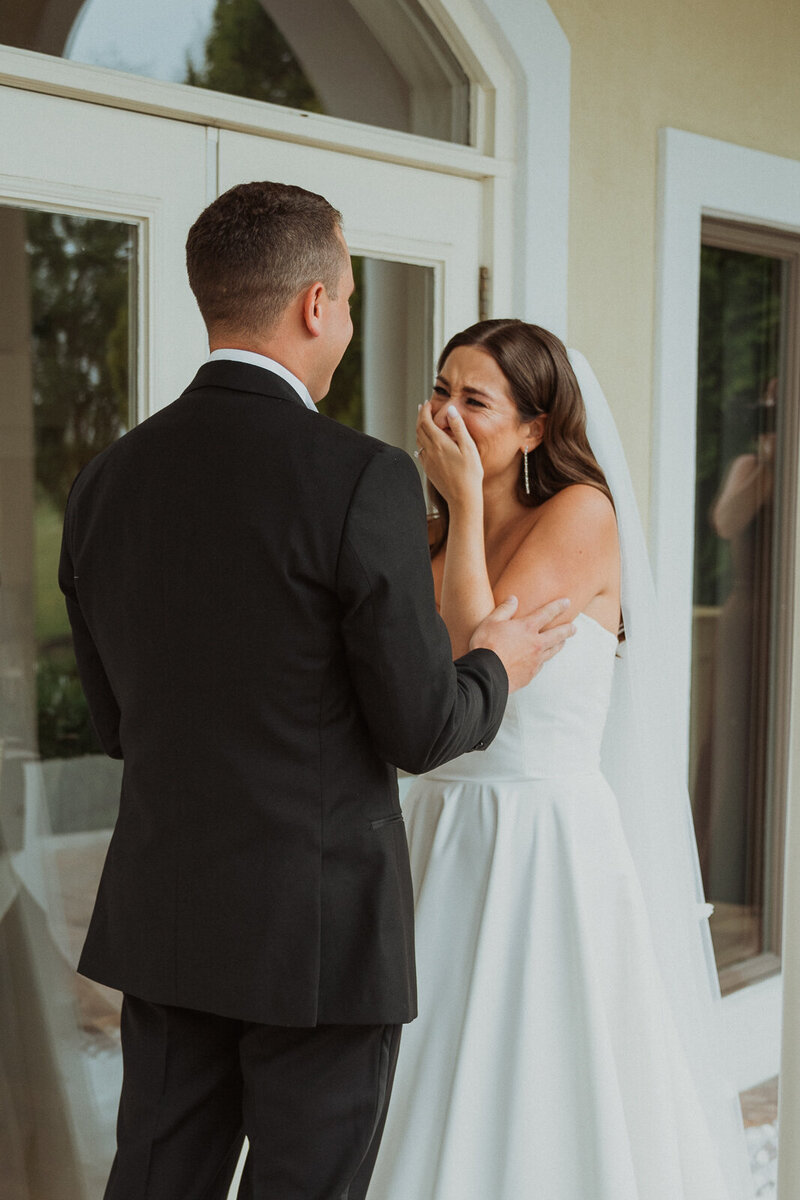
column 541, row 382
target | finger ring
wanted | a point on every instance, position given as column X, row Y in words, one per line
column 419, row 450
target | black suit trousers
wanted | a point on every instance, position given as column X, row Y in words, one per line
column 311, row 1101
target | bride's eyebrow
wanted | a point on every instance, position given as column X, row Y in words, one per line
column 473, row 391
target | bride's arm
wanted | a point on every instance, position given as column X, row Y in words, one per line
column 572, row 550
column 453, row 465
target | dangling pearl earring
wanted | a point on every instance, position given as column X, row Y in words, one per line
column 525, row 471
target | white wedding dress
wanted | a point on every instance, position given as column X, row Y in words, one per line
column 544, row 1064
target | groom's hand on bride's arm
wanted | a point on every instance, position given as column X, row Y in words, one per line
column 522, row 644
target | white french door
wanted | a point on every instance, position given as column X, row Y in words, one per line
column 391, row 211
column 99, row 328
column 418, row 234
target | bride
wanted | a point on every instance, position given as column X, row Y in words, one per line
column 566, row 1046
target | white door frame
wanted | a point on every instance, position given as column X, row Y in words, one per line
column 700, row 176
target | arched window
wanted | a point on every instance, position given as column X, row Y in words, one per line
column 380, row 62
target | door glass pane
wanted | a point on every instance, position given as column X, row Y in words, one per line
column 736, row 582
column 65, row 393
column 382, row 62
column 387, row 369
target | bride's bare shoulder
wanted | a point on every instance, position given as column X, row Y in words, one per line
column 579, row 510
column 571, row 550
column 583, row 499
column 578, row 525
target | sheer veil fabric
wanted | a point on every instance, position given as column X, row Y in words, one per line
column 642, row 766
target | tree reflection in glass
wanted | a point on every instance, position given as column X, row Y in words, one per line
column 69, row 312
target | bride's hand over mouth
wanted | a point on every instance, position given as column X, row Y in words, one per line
column 449, row 455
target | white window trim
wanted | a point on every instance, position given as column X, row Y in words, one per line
column 519, row 59
column 538, row 52
column 700, row 176
column 60, row 77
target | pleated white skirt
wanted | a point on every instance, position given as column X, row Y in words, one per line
column 543, row 1064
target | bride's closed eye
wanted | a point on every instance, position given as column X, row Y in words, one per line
column 438, row 390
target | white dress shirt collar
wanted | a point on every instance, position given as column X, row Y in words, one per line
column 268, row 364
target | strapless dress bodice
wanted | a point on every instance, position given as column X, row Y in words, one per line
column 554, row 726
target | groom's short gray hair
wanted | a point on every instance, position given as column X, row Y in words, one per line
column 256, row 248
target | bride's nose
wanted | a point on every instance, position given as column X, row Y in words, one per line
column 439, row 412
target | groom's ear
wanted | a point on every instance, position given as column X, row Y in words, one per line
column 313, row 304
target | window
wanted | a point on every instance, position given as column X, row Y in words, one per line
column 381, row 62
column 383, row 377
column 745, row 498
column 70, row 324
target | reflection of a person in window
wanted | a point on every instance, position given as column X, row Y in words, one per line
column 742, row 516
column 748, row 484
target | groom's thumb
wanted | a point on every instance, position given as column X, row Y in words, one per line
column 505, row 610
column 492, row 625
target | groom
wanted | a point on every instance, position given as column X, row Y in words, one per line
column 250, row 595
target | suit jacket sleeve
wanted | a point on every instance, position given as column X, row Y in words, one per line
column 103, row 706
column 421, row 708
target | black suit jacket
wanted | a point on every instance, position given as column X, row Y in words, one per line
column 252, row 607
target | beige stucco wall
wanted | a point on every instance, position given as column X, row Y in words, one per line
column 726, row 69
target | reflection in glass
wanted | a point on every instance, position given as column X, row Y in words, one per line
column 387, row 368
column 245, row 54
column 65, row 394
column 381, row 62
column 739, row 401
